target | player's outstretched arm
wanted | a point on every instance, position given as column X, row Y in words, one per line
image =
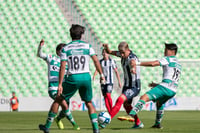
column 39, row 51
column 108, row 50
column 149, row 64
column 98, row 68
column 152, row 84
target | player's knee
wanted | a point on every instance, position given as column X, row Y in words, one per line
column 123, row 97
column 144, row 98
column 89, row 104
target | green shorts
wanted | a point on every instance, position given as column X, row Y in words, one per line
column 81, row 82
column 52, row 94
column 160, row 93
column 53, row 86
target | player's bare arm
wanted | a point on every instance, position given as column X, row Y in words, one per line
column 42, row 42
column 98, row 68
column 152, row 84
column 108, row 50
column 133, row 66
column 150, row 63
column 118, row 77
column 61, row 76
column 95, row 73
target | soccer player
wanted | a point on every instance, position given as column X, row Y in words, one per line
column 108, row 65
column 14, row 102
column 77, row 54
column 131, row 87
column 53, row 63
column 165, row 90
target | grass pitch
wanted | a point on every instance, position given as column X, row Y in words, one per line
column 173, row 122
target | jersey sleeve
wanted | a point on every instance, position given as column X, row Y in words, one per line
column 41, row 54
column 164, row 61
column 63, row 56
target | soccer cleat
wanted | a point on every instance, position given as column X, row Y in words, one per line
column 102, row 125
column 141, row 125
column 126, row 118
column 43, row 128
column 96, row 131
column 59, row 123
column 157, row 126
column 76, row 127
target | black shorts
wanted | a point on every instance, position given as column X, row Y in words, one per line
column 107, row 88
column 130, row 93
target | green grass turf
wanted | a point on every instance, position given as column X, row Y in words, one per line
column 173, row 122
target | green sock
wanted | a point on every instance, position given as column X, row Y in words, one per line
column 50, row 119
column 69, row 116
column 61, row 115
column 93, row 118
column 159, row 114
column 138, row 107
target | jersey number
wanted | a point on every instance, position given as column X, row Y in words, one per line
column 176, row 74
column 77, row 63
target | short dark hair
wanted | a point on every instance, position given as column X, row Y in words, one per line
column 171, row 46
column 76, row 31
column 60, row 46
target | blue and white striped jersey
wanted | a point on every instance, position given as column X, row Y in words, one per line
column 108, row 66
column 130, row 80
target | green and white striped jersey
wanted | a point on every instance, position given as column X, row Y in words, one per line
column 53, row 63
column 171, row 72
column 77, row 54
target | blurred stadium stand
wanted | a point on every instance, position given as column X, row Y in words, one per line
column 145, row 25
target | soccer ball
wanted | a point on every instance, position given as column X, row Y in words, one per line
column 104, row 118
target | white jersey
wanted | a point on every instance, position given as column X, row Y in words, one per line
column 171, row 72
column 108, row 66
column 77, row 54
column 130, row 80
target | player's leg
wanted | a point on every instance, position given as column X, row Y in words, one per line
column 130, row 94
column 69, row 89
column 117, row 105
column 108, row 101
column 165, row 95
column 59, row 117
column 139, row 105
column 69, row 116
column 106, row 91
column 85, row 90
column 58, row 120
column 51, row 115
column 93, row 116
column 150, row 95
column 159, row 115
column 53, row 93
